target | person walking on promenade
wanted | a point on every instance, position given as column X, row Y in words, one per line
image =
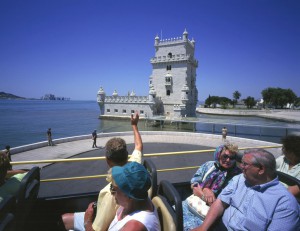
column 224, row 133
column 94, row 137
column 254, row 200
column 49, row 135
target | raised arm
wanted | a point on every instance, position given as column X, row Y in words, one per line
column 137, row 136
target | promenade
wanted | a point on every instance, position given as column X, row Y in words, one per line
column 154, row 142
column 66, row 148
column 283, row 115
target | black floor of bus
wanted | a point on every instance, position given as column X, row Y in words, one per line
column 87, row 168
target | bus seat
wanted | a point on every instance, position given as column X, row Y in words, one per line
column 289, row 180
column 27, row 196
column 169, row 207
column 7, row 207
column 150, row 166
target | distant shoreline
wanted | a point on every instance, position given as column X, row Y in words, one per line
column 281, row 115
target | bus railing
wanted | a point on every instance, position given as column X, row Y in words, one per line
column 145, row 155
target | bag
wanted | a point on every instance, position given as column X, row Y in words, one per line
column 197, row 206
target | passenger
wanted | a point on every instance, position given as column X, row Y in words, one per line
column 116, row 155
column 130, row 187
column 289, row 163
column 210, row 179
column 254, row 200
column 10, row 180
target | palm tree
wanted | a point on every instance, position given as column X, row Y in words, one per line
column 236, row 96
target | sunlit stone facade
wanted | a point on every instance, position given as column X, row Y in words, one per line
column 172, row 84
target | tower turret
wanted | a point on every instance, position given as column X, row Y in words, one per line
column 101, row 99
column 156, row 40
column 115, row 93
column 152, row 93
column 185, row 35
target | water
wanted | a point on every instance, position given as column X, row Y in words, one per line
column 26, row 121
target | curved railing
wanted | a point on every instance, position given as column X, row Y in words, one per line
column 145, row 155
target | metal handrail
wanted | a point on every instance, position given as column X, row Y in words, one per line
column 145, row 155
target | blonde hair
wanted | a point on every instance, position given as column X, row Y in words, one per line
column 232, row 148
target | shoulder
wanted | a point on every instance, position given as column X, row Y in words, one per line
column 280, row 159
column 136, row 156
column 208, row 164
column 134, row 225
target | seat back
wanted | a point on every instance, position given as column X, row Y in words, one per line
column 169, row 207
column 289, row 180
column 27, row 196
column 150, row 166
column 7, row 207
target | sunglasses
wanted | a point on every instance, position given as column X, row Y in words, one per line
column 225, row 157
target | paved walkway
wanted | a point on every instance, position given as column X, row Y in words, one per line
column 72, row 148
column 284, row 115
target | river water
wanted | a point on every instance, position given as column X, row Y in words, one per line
column 26, row 121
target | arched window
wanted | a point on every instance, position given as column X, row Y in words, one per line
column 168, row 92
column 170, row 55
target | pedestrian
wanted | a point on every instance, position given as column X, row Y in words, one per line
column 224, row 133
column 94, row 138
column 49, row 135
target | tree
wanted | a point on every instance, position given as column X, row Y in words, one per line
column 236, row 96
column 208, row 101
column 278, row 97
column 214, row 100
column 249, row 102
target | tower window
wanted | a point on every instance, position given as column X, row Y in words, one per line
column 168, row 92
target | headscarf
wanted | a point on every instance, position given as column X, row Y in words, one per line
column 218, row 178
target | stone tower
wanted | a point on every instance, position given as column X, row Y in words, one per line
column 173, row 76
column 172, row 84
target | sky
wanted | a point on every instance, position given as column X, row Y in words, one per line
column 70, row 48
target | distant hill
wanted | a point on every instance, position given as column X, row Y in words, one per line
column 4, row 95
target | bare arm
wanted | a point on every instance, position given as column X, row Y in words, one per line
column 10, row 173
column 137, row 136
column 88, row 217
column 294, row 189
column 214, row 213
column 134, row 225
